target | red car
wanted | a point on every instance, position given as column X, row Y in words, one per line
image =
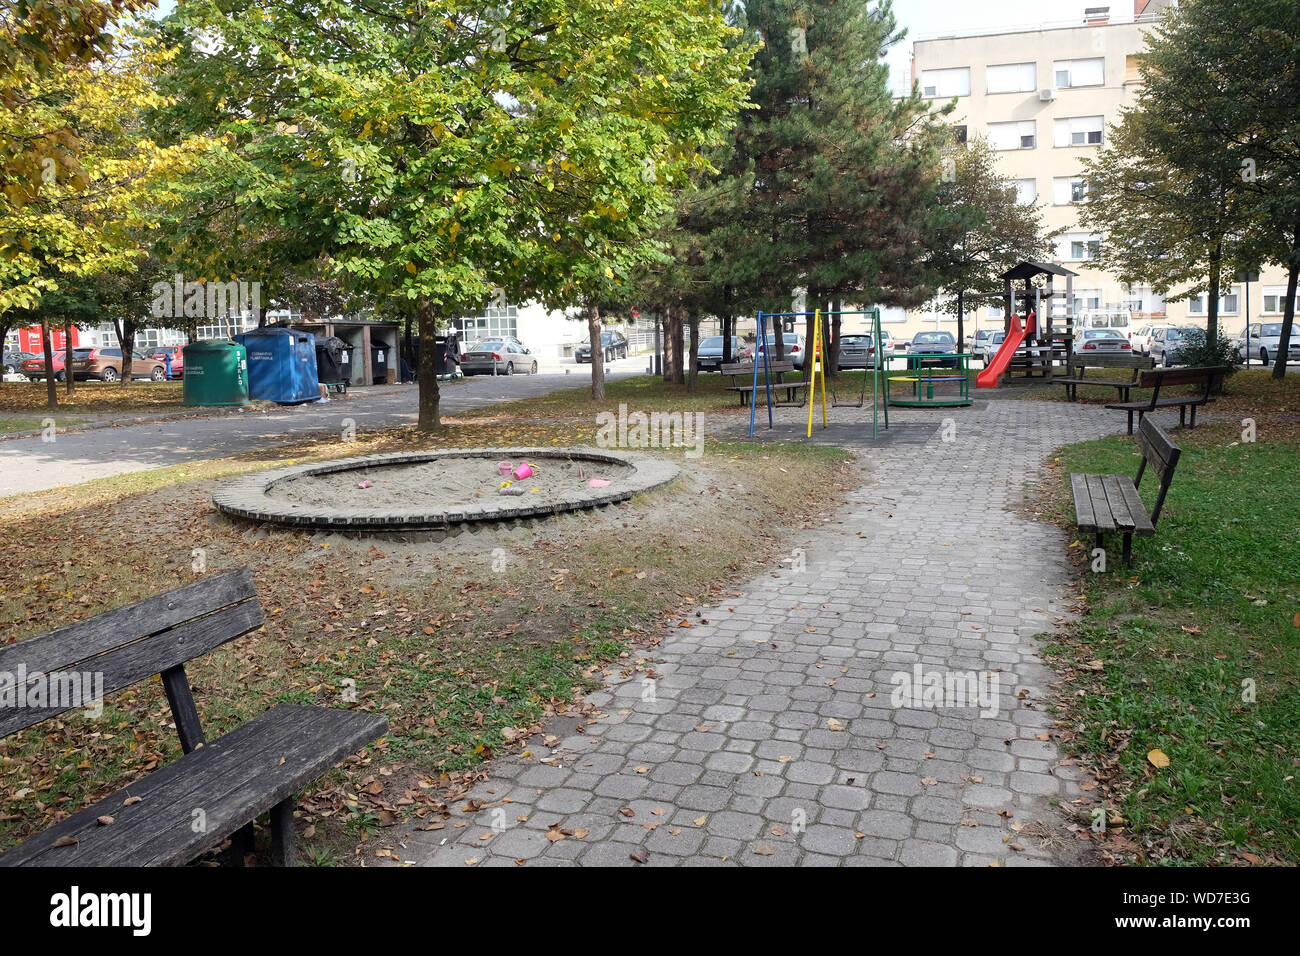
column 34, row 368
column 178, row 359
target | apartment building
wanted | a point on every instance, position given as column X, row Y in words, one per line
column 1044, row 98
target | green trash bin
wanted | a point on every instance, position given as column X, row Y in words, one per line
column 216, row 373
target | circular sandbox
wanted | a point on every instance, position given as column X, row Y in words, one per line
column 436, row 490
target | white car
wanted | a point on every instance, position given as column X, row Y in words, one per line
column 1143, row 338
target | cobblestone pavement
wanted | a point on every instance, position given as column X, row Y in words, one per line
column 769, row 735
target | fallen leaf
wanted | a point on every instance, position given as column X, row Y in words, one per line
column 1158, row 758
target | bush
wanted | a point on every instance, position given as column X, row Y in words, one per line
column 1199, row 352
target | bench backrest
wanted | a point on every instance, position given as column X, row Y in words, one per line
column 47, row 675
column 1160, row 452
column 1111, row 361
column 747, row 368
column 1184, row 376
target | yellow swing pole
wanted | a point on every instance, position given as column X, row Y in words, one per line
column 818, row 366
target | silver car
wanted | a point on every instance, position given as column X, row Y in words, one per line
column 856, row 351
column 1104, row 340
column 1168, row 342
column 498, row 357
column 988, row 346
column 1265, row 338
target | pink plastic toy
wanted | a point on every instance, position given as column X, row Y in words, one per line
column 522, row 471
column 503, row 468
column 597, row 483
column 364, row 484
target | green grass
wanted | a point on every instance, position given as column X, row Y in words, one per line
column 9, row 426
column 1209, row 612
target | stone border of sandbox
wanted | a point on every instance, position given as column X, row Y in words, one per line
column 247, row 497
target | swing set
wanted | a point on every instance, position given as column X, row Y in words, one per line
column 879, row 384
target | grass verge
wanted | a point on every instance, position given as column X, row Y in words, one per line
column 1194, row 654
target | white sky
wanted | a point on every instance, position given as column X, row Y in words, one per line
column 925, row 19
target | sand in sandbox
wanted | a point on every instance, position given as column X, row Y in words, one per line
column 448, row 483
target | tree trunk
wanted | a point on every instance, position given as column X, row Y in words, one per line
column 693, row 321
column 809, row 328
column 728, row 323
column 51, row 390
column 126, row 339
column 68, row 379
column 961, row 322
column 1212, row 308
column 676, row 345
column 597, row 352
column 430, row 420
column 1288, row 315
column 833, row 350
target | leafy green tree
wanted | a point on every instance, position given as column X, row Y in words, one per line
column 841, row 174
column 448, row 152
column 981, row 229
column 1202, row 174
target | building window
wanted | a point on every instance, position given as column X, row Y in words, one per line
column 1132, row 69
column 1026, row 191
column 1071, row 74
column 1067, row 190
column 1022, row 135
column 1229, row 303
column 492, row 323
column 1085, row 299
column 1079, row 131
column 1275, row 300
column 1012, row 78
column 946, row 83
column 959, row 134
column 1078, row 247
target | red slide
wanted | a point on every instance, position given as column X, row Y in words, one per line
column 989, row 377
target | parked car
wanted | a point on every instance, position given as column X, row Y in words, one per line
column 106, row 364
column 1167, row 343
column 13, row 361
column 1103, row 340
column 710, row 353
column 980, row 339
column 614, row 345
column 34, row 367
column 177, row 356
column 887, row 340
column 1143, row 337
column 934, row 343
column 792, row 343
column 1265, row 338
column 858, row 351
column 498, row 356
column 986, row 349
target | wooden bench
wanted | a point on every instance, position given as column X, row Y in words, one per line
column 742, row 379
column 1077, row 366
column 1111, row 503
column 215, row 790
column 1206, row 378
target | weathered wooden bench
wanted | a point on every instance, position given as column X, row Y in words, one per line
column 1077, row 366
column 742, row 379
column 215, row 790
column 1111, row 504
column 1206, row 378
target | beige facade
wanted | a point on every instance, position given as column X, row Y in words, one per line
column 1044, row 99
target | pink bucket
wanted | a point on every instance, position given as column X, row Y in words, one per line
column 524, row 470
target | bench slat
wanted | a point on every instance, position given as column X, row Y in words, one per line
column 232, row 780
column 1117, row 502
column 1142, row 525
column 1105, row 521
column 1084, row 513
column 135, row 662
column 68, row 646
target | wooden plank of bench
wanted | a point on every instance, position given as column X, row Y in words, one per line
column 70, row 645
column 1118, row 503
column 1105, row 520
column 1136, row 507
column 1083, row 510
column 232, row 780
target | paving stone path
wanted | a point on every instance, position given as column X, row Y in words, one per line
column 770, row 735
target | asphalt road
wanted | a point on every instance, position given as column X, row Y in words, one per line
column 31, row 464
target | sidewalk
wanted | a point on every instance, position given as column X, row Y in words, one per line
column 768, row 735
